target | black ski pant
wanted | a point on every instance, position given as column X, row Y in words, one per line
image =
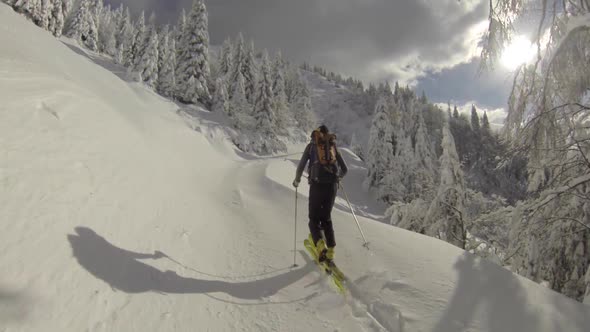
column 321, row 201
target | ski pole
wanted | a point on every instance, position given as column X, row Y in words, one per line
column 295, row 234
column 366, row 244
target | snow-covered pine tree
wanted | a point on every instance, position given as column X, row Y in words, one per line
column 92, row 38
column 44, row 15
column 147, row 65
column 263, row 110
column 250, row 73
column 126, row 40
column 221, row 103
column 238, row 103
column 80, row 27
column 475, row 125
column 107, row 31
column 302, row 111
column 139, row 39
column 380, row 145
column 122, row 22
column 167, row 63
column 226, row 59
column 67, row 7
column 424, row 156
column 180, row 27
column 57, row 18
column 97, row 10
column 193, row 61
column 280, row 97
column 25, row 6
column 34, row 9
column 355, row 146
column 446, row 215
column 295, row 86
column 486, row 122
column 239, row 54
column 399, row 183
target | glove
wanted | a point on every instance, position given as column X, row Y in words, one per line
column 296, row 183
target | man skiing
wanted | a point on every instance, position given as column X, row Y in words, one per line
column 326, row 168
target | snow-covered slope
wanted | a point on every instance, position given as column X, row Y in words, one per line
column 99, row 178
column 339, row 108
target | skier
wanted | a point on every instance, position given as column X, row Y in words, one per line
column 326, row 169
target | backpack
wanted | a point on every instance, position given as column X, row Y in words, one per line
column 323, row 166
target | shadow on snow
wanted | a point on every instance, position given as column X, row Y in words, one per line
column 123, row 270
column 496, row 292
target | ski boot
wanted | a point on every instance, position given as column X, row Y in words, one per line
column 325, row 254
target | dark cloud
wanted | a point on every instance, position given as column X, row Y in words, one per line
column 370, row 39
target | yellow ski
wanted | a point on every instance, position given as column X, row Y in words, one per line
column 330, row 269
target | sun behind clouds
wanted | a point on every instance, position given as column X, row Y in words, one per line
column 519, row 52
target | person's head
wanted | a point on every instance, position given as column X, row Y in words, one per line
column 323, row 129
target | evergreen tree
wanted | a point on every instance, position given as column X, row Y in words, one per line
column 302, row 111
column 239, row 106
column 107, row 41
column 455, row 112
column 226, row 58
column 295, row 86
column 80, row 26
column 279, row 95
column 474, row 119
column 193, row 61
column 221, row 103
column 447, row 211
column 92, row 39
column 44, row 14
column 180, row 27
column 138, row 40
column 356, row 147
column 147, row 64
column 263, row 110
column 239, row 56
column 396, row 93
column 400, row 180
column 424, row 156
column 380, row 145
column 250, row 73
column 125, row 54
column 67, row 7
column 24, row 6
column 166, row 63
column 123, row 20
column 486, row 123
column 423, row 98
column 57, row 20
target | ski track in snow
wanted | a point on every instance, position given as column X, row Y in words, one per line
column 122, row 211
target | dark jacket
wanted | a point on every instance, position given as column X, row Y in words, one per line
column 325, row 176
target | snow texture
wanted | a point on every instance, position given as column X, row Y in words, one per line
column 122, row 212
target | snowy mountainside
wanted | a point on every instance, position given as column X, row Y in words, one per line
column 339, row 108
column 121, row 212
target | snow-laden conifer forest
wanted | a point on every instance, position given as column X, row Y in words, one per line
column 145, row 181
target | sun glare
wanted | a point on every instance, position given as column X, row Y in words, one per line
column 520, row 51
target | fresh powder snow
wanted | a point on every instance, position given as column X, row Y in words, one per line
column 123, row 211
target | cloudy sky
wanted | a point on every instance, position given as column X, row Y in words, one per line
column 430, row 44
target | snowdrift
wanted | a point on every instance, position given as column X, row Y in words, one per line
column 120, row 212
